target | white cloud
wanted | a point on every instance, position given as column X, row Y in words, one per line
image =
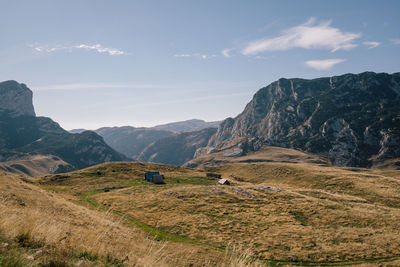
column 99, row 48
column 196, row 55
column 96, row 47
column 182, row 55
column 371, row 45
column 324, row 64
column 396, row 41
column 225, row 52
column 310, row 35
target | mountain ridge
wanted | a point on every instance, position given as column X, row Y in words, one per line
column 349, row 118
column 23, row 135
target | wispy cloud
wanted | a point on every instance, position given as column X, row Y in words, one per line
column 95, row 47
column 371, row 45
column 226, row 52
column 196, row 55
column 396, row 41
column 310, row 35
column 324, row 64
column 196, row 86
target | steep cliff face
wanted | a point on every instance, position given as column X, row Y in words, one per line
column 16, row 99
column 22, row 134
column 349, row 118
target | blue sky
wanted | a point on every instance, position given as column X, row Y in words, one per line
column 141, row 63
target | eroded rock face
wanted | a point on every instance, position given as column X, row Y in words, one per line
column 348, row 118
column 16, row 99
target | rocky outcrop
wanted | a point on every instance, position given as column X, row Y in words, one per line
column 16, row 99
column 349, row 119
column 22, row 134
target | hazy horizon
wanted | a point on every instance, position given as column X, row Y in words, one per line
column 92, row 64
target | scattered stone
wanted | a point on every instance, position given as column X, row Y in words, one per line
column 36, row 251
column 241, row 191
column 30, row 257
column 270, row 188
column 237, row 178
column 292, row 258
column 4, row 245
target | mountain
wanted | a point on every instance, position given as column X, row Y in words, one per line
column 129, row 140
column 178, row 148
column 22, row 134
column 352, row 119
column 16, row 99
column 74, row 131
column 132, row 141
column 188, row 125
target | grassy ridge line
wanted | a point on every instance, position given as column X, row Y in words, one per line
column 161, row 235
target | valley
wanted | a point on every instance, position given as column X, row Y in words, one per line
column 277, row 214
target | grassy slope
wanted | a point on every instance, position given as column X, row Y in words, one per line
column 265, row 154
column 34, row 165
column 323, row 214
column 67, row 233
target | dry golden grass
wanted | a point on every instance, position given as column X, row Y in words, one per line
column 265, row 154
column 70, row 229
column 33, row 166
column 279, row 213
column 323, row 214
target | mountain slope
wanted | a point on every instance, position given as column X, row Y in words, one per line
column 188, row 125
column 129, row 140
column 22, row 134
column 176, row 149
column 354, row 120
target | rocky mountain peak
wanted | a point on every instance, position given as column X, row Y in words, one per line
column 16, row 99
column 349, row 118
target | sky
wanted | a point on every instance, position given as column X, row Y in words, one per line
column 95, row 63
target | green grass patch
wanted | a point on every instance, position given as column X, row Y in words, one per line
column 194, row 180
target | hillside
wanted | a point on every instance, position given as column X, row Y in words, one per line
column 281, row 214
column 176, row 149
column 187, row 126
column 46, row 227
column 22, row 134
column 36, row 165
column 354, row 120
column 264, row 154
column 131, row 141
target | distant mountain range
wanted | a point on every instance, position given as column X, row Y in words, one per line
column 23, row 135
column 144, row 143
column 347, row 120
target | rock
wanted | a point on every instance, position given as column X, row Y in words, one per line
column 16, row 99
column 22, row 134
column 270, row 189
column 30, row 257
column 352, row 119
